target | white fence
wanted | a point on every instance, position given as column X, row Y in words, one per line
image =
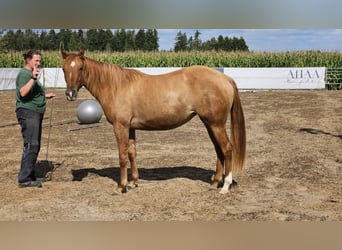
column 246, row 78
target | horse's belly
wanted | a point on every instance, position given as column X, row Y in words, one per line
column 161, row 121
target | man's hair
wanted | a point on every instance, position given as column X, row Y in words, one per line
column 29, row 54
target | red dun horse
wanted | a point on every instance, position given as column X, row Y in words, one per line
column 133, row 100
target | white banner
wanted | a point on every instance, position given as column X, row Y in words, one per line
column 278, row 78
column 245, row 78
column 7, row 78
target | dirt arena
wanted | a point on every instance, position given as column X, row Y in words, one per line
column 292, row 172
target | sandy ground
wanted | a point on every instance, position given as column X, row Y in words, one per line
column 293, row 168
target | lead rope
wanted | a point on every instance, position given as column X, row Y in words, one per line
column 51, row 109
column 49, row 174
column 50, row 122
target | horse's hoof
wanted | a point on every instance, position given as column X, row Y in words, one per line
column 120, row 190
column 224, row 191
column 132, row 185
column 233, row 185
column 115, row 193
column 214, row 185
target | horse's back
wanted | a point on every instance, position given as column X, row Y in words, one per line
column 190, row 84
column 178, row 95
column 193, row 77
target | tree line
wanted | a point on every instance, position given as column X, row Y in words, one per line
column 91, row 39
column 194, row 43
column 108, row 40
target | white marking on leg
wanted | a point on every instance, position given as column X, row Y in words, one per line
column 72, row 64
column 228, row 180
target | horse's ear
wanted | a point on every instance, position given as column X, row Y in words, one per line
column 81, row 53
column 61, row 47
column 64, row 54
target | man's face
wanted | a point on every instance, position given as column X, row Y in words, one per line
column 34, row 62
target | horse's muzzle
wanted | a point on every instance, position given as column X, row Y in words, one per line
column 71, row 95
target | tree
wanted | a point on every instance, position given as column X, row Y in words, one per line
column 109, row 38
column 19, row 40
column 8, row 40
column 73, row 42
column 239, row 44
column 210, row 44
column 64, row 36
column 104, row 37
column 140, row 40
column 2, row 44
column 181, row 42
column 115, row 46
column 130, row 40
column 52, row 40
column 92, row 39
column 151, row 40
column 81, row 39
column 147, row 40
column 196, row 44
column 228, row 45
column 44, row 45
column 30, row 40
column 121, row 39
column 220, row 42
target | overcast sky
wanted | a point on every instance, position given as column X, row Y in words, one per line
column 265, row 39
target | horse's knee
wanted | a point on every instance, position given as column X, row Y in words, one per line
column 123, row 161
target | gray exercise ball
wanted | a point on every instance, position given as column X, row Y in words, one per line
column 89, row 111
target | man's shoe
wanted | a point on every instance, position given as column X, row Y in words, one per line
column 35, row 183
column 41, row 179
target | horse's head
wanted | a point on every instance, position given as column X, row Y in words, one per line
column 72, row 68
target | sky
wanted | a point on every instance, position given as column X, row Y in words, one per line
column 272, row 40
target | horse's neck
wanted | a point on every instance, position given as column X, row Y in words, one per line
column 100, row 77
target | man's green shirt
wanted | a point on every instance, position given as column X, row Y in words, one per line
column 35, row 99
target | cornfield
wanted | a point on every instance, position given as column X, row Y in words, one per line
column 331, row 59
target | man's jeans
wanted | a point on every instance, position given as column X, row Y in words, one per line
column 31, row 129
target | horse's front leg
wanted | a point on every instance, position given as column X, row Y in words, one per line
column 122, row 137
column 132, row 154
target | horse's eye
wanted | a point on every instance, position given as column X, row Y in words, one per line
column 81, row 69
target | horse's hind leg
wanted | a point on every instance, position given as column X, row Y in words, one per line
column 223, row 147
column 132, row 154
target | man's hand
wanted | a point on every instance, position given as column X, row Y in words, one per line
column 35, row 72
column 50, row 95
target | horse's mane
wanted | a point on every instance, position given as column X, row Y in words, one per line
column 100, row 73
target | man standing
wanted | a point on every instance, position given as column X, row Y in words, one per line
column 30, row 109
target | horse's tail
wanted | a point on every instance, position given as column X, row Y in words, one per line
column 238, row 132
